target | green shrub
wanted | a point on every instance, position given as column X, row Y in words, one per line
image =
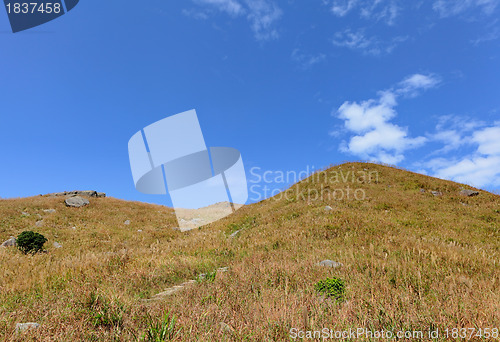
column 30, row 242
column 163, row 330
column 331, row 287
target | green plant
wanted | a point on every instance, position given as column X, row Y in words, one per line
column 163, row 330
column 103, row 313
column 331, row 287
column 30, row 242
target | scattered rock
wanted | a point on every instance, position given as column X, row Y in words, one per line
column 422, row 190
column 57, row 245
column 225, row 327
column 437, row 193
column 39, row 223
column 234, row 234
column 20, row 327
column 50, row 211
column 76, row 202
column 88, row 193
column 139, row 230
column 25, row 213
column 469, row 193
column 329, row 263
column 328, row 208
column 127, row 222
column 9, row 243
column 74, row 228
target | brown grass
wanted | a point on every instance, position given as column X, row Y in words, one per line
column 411, row 261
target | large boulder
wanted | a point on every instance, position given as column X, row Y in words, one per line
column 86, row 193
column 76, row 202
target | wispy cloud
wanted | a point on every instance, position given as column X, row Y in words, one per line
column 375, row 137
column 262, row 15
column 371, row 45
column 305, row 60
column 478, row 142
column 448, row 8
column 480, row 168
column 378, row 10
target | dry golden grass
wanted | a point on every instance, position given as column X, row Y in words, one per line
column 411, row 261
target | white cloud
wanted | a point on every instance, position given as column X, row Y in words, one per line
column 412, row 84
column 375, row 137
column 358, row 40
column 305, row 60
column 384, row 10
column 261, row 14
column 480, row 166
column 447, row 8
column 231, row 7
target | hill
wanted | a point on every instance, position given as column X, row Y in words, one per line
column 411, row 260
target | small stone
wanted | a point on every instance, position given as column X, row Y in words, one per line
column 469, row 193
column 76, row 202
column 10, row 242
column 234, row 234
column 329, row 263
column 225, row 327
column 57, row 245
column 127, row 222
column 176, row 228
column 101, row 194
column 39, row 223
column 25, row 213
column 202, row 276
column 50, row 211
column 328, row 208
column 422, row 190
column 139, row 230
column 223, row 269
column 20, row 327
column 437, row 193
column 74, row 228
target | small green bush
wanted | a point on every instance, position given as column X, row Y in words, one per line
column 163, row 330
column 331, row 287
column 30, row 242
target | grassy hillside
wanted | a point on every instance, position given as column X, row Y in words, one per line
column 410, row 261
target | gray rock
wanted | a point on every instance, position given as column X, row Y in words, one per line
column 329, row 263
column 328, row 208
column 139, row 230
column 25, row 213
column 437, row 193
column 76, row 202
column 225, row 327
column 39, row 223
column 422, row 190
column 57, row 245
column 469, row 193
column 50, row 211
column 88, row 193
column 10, row 242
column 127, row 222
column 20, row 327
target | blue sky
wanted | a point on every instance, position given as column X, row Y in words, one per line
column 293, row 85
